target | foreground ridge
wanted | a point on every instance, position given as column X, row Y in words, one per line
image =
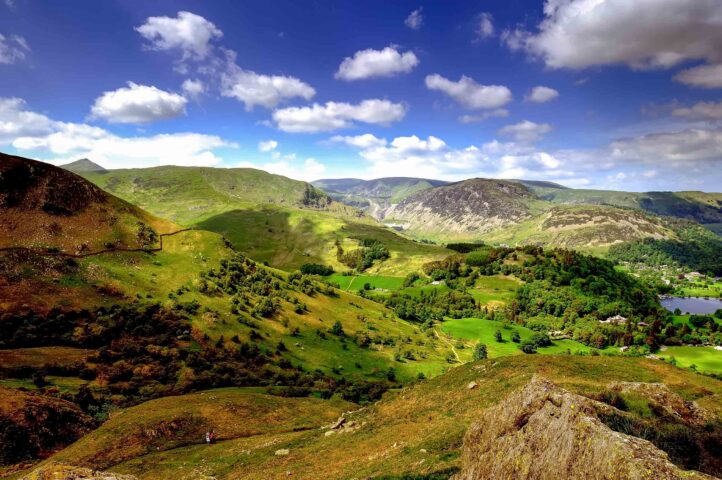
column 543, row 432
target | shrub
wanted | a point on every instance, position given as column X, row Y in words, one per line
column 316, row 269
column 480, row 352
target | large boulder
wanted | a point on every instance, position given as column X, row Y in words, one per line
column 543, row 432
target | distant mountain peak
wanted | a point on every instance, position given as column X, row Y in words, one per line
column 83, row 166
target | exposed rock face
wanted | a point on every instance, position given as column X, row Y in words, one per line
column 470, row 207
column 667, row 401
column 545, row 432
column 56, row 471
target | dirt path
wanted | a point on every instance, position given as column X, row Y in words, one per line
column 445, row 340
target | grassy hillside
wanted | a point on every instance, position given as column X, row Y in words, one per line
column 584, row 227
column 412, row 434
column 268, row 217
column 188, row 195
column 46, row 207
column 701, row 207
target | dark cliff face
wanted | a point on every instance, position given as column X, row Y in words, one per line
column 30, row 185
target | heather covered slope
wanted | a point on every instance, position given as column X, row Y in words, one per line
column 417, row 431
column 46, row 207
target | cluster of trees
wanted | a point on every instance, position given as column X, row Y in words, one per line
column 432, row 306
column 362, row 258
column 316, row 269
column 697, row 249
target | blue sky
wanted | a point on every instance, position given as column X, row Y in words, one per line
column 589, row 93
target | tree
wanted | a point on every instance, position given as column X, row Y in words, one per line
column 498, row 337
column 480, row 352
column 337, row 329
column 515, row 337
column 528, row 346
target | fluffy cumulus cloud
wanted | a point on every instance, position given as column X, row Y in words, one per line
column 485, row 26
column 434, row 158
column 138, row 104
column 16, row 121
column 371, row 63
column 526, row 131
column 193, row 88
column 710, row 111
column 254, row 89
column 541, row 94
column 415, row 19
column 267, row 145
column 13, row 49
column 364, row 141
column 470, row 94
column 187, row 32
column 37, row 135
column 640, row 33
column 336, row 115
column 703, row 76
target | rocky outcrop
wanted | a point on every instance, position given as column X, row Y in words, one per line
column 55, row 471
column 666, row 402
column 545, row 432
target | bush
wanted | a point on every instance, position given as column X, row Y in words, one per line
column 480, row 352
column 527, row 346
column 515, row 337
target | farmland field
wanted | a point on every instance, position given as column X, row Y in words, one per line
column 480, row 330
column 706, row 359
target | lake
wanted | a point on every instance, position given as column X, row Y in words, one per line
column 692, row 304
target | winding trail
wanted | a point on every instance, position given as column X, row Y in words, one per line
column 445, row 340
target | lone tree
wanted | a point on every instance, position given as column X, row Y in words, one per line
column 480, row 352
column 515, row 337
column 497, row 336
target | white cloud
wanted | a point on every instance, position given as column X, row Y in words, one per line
column 187, row 32
column 700, row 111
column 371, row 63
column 267, row 146
column 364, row 141
column 470, row 94
column 309, row 170
column 193, row 88
column 703, row 76
column 485, row 26
column 526, row 131
column 16, row 121
column 38, row 135
column 682, row 148
column 639, row 33
column 499, row 113
column 541, row 94
column 314, row 167
column 337, row 115
column 433, row 158
column 415, row 19
column 266, row 91
column 138, row 104
column 13, row 49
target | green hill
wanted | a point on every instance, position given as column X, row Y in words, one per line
column 268, row 217
column 417, row 433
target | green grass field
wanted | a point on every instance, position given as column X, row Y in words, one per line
column 352, row 283
column 479, row 330
column 706, row 359
column 495, row 290
column 699, row 289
